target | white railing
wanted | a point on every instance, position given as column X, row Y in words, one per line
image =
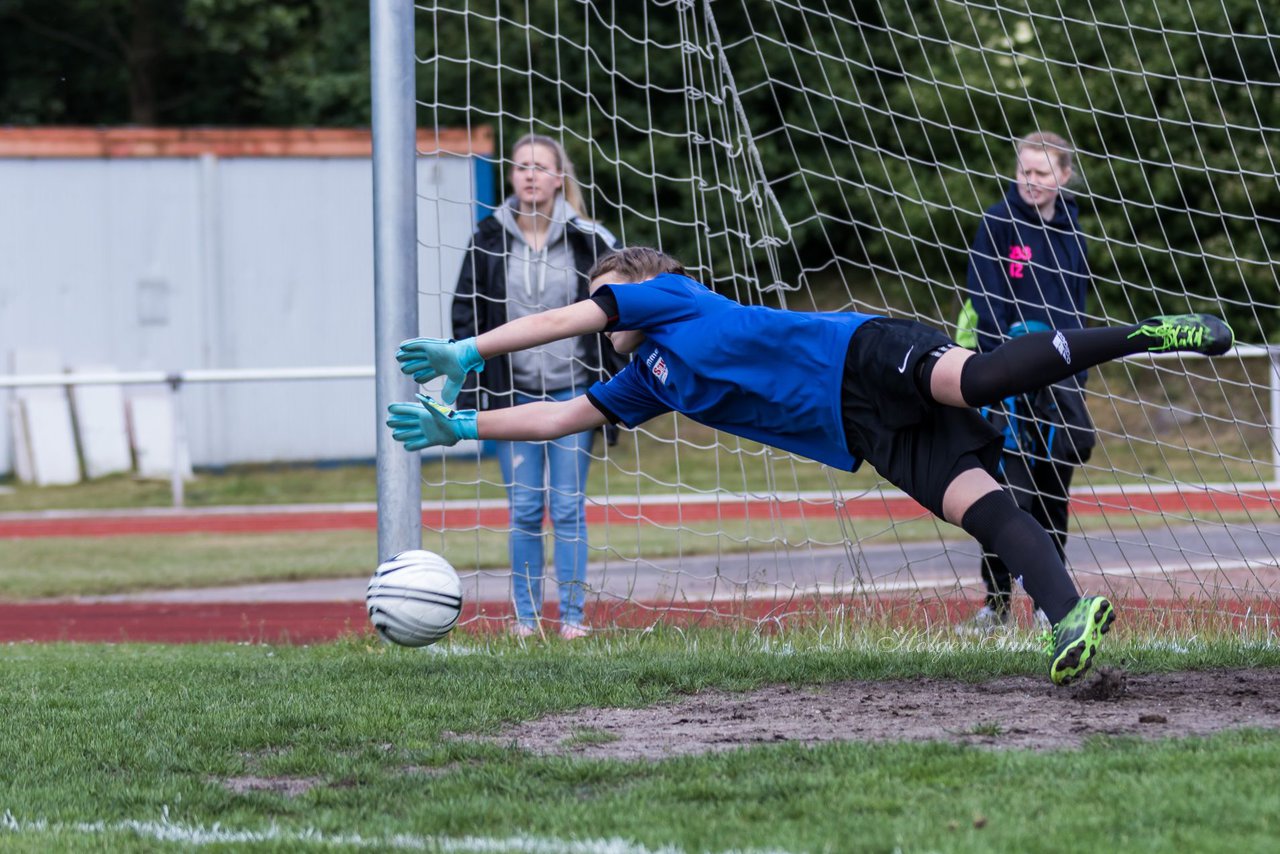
column 176, row 379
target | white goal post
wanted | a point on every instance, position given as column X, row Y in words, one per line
column 840, row 156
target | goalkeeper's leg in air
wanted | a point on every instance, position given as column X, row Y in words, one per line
column 973, row 499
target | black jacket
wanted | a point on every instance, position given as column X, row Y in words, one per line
column 480, row 304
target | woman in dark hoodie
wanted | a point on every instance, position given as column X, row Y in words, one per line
column 1029, row 271
column 530, row 256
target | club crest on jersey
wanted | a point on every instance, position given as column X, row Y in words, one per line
column 657, row 366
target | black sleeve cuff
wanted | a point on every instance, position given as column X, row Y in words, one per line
column 604, row 410
column 608, row 303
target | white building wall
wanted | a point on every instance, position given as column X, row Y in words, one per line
column 200, row 262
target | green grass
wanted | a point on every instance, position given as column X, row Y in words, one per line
column 115, row 734
column 79, row 566
column 256, row 484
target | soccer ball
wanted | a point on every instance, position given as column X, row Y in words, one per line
column 414, row 598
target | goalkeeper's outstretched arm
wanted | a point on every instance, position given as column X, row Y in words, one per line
column 424, row 359
column 557, row 324
column 540, row 421
column 428, row 424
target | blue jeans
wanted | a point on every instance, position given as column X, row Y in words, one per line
column 541, row 475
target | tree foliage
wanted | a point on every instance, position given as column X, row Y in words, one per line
column 184, row 62
column 786, row 140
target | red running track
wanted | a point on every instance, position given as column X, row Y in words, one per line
column 319, row 622
column 891, row 506
column 186, row 622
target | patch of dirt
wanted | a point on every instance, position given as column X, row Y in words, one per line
column 290, row 787
column 1017, row 712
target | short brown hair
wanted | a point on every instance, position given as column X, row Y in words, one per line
column 636, row 264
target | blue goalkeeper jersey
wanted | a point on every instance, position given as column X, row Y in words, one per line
column 765, row 374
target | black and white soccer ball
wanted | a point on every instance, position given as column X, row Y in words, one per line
column 414, row 598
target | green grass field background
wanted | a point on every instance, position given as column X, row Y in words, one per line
column 98, row 738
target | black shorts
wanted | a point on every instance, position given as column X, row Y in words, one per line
column 917, row 445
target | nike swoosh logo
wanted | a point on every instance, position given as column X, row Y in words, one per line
column 903, row 369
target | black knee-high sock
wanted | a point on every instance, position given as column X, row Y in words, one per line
column 995, row 521
column 1033, row 361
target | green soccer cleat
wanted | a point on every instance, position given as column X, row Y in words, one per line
column 1074, row 641
column 1195, row 333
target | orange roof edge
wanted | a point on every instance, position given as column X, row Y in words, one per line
column 87, row 142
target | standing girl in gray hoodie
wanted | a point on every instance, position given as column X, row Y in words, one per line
column 530, row 256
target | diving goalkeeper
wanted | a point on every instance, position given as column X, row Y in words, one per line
column 839, row 388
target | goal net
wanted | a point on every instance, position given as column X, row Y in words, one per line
column 840, row 156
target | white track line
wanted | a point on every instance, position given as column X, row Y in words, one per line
column 200, row 835
column 1118, row 571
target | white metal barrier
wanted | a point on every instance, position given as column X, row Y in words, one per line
column 176, row 379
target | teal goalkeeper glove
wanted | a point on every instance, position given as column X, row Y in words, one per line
column 429, row 424
column 427, row 358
